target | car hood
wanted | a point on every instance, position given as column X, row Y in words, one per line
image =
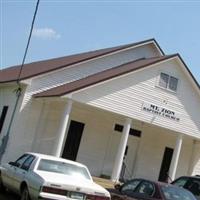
column 72, row 183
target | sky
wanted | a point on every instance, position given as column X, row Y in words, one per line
column 69, row 27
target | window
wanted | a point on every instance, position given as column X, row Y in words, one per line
column 63, row 168
column 146, row 188
column 172, row 193
column 21, row 160
column 190, row 183
column 180, row 182
column 130, row 186
column 132, row 131
column 168, row 82
column 118, row 127
column 164, row 79
column 135, row 132
column 193, row 185
column 173, row 83
column 26, row 165
column 3, row 116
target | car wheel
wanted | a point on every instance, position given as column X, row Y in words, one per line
column 25, row 194
column 2, row 188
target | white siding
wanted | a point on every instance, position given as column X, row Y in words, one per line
column 85, row 69
column 152, row 147
column 99, row 142
column 7, row 98
column 30, row 111
column 195, row 159
column 36, row 123
column 47, row 127
column 125, row 95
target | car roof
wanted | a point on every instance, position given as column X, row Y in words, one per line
column 50, row 157
column 155, row 182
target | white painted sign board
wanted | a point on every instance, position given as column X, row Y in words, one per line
column 160, row 111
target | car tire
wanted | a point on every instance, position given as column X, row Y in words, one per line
column 2, row 188
column 25, row 194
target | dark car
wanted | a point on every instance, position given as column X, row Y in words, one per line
column 149, row 190
column 191, row 183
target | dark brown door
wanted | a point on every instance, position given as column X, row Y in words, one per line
column 167, row 157
column 73, row 140
column 3, row 116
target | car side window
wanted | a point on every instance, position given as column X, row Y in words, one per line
column 27, row 163
column 21, row 160
column 147, row 188
column 130, row 186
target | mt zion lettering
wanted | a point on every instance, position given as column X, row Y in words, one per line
column 160, row 111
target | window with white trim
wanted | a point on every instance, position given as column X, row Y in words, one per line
column 168, row 82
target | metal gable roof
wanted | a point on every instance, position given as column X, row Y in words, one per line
column 102, row 76
column 41, row 67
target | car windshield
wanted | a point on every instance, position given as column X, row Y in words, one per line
column 175, row 193
column 64, row 168
column 191, row 184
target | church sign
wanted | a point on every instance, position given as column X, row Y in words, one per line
column 160, row 111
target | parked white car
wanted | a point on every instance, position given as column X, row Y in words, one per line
column 37, row 176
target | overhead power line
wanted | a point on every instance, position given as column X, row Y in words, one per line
column 28, row 42
column 19, row 89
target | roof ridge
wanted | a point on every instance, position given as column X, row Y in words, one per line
column 92, row 51
column 45, row 66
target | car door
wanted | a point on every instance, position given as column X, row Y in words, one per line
column 22, row 173
column 145, row 191
column 7, row 174
column 129, row 187
column 10, row 172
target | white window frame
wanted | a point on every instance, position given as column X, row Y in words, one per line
column 167, row 88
